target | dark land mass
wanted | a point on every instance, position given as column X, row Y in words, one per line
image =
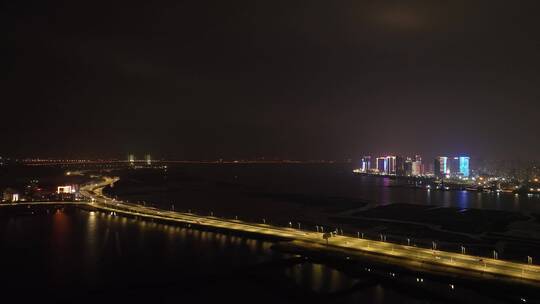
column 48, row 177
column 460, row 220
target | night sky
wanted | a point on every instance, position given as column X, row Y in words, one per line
column 288, row 79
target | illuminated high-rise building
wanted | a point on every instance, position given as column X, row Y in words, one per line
column 464, row 166
column 400, row 166
column 390, row 165
column 440, row 166
column 366, row 164
column 417, row 168
column 380, row 163
column 407, row 166
column 453, row 166
column 131, row 159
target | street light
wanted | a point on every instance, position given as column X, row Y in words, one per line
column 290, row 224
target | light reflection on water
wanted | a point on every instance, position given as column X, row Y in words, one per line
column 92, row 249
column 91, row 242
column 384, row 191
column 319, row 278
column 462, row 199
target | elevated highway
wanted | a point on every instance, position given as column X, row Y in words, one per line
column 406, row 254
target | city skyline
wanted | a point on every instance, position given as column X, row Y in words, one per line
column 270, row 151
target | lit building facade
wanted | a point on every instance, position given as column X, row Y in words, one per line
column 464, row 166
column 10, row 195
column 407, row 166
column 400, row 166
column 386, row 165
column 392, row 164
column 440, row 166
column 65, row 189
column 416, row 169
column 451, row 166
column 380, row 164
column 365, row 164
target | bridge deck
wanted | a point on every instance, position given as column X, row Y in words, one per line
column 435, row 257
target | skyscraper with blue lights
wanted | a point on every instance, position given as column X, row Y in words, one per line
column 464, row 165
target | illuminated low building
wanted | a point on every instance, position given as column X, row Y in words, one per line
column 64, row 189
column 10, row 195
column 69, row 189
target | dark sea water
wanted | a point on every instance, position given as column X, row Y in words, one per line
column 231, row 187
column 72, row 255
